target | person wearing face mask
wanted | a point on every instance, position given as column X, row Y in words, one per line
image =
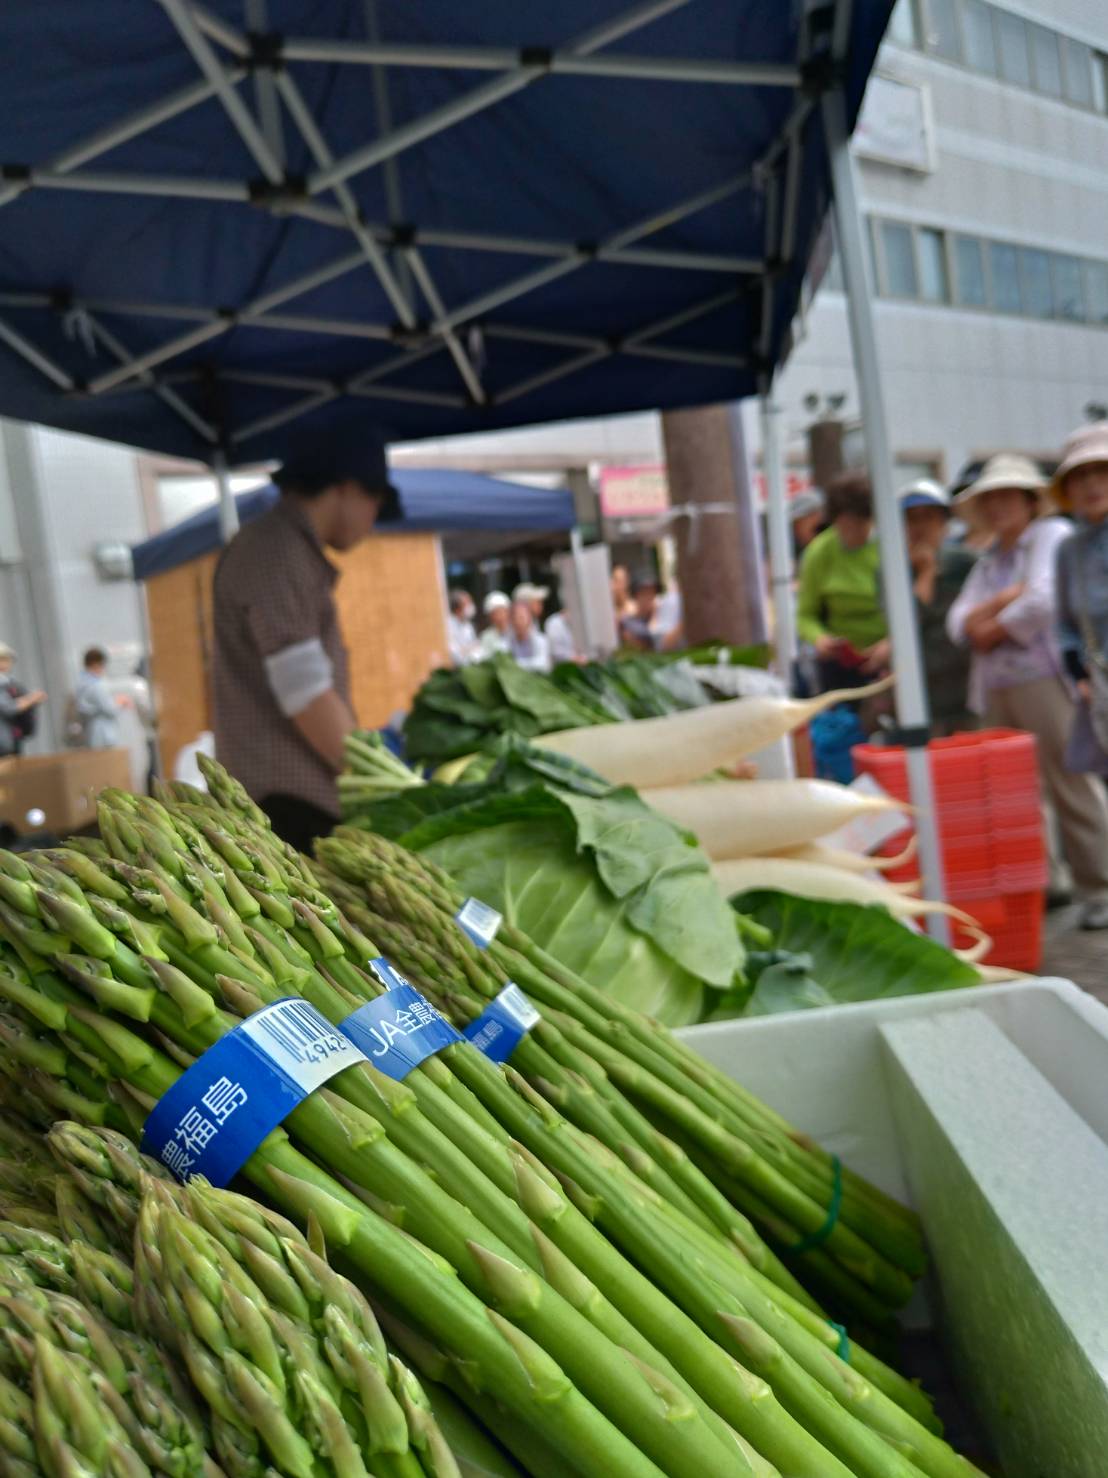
column 839, row 610
column 1080, row 488
column 461, row 634
column 496, row 635
column 939, row 569
column 1007, row 614
column 281, row 688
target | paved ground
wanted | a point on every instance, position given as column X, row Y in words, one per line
column 1075, row 955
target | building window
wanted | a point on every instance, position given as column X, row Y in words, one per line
column 1046, row 60
column 1012, row 44
column 1100, row 81
column 1078, row 62
column 1096, row 291
column 1069, row 299
column 969, row 272
column 900, row 263
column 1037, row 296
column 933, row 276
column 942, row 33
column 1004, row 273
column 904, row 23
column 929, row 265
column 977, row 31
column 993, row 41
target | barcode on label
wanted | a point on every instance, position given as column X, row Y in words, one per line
column 519, row 1006
column 479, row 921
column 300, row 1041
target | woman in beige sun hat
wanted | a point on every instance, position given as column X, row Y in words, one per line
column 1007, row 614
column 1080, row 486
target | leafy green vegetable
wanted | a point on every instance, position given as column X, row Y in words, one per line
column 456, row 713
column 532, row 871
column 594, row 874
column 832, row 953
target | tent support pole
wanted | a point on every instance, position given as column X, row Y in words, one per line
column 228, row 512
column 913, row 713
column 577, row 550
column 780, row 543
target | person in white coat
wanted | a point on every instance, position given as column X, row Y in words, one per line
column 526, row 642
column 1007, row 615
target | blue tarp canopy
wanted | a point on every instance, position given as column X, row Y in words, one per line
column 223, row 222
column 433, row 501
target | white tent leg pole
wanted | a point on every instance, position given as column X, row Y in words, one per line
column 911, row 693
column 577, row 549
column 780, row 542
column 228, row 512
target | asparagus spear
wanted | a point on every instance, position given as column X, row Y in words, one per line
column 487, row 1346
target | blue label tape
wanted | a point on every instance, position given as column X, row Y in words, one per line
column 503, row 1024
column 399, row 1029
column 479, row 921
column 221, row 1108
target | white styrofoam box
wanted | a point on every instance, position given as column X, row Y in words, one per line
column 1012, row 1185
column 985, row 1108
column 825, row 1070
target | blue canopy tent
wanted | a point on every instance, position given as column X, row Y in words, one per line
column 432, row 501
column 226, row 220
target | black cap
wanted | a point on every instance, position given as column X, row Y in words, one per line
column 317, row 461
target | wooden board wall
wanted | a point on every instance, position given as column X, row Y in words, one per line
column 390, row 606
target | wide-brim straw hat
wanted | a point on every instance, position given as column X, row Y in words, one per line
column 1084, row 447
column 1007, row 470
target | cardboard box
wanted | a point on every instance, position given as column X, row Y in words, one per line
column 63, row 786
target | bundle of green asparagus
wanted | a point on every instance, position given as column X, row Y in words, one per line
column 598, row 1297
column 651, row 1096
column 229, row 1346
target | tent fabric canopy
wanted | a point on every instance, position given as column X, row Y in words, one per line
column 223, row 224
column 432, row 501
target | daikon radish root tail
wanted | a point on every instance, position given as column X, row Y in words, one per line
column 836, row 885
column 1000, row 974
column 743, row 819
column 848, row 861
column 686, row 746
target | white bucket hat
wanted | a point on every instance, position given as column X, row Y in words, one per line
column 1084, row 447
column 496, row 600
column 1006, row 470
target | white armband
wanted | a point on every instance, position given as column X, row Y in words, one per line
column 298, row 675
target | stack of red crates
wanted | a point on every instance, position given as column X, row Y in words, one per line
column 989, row 813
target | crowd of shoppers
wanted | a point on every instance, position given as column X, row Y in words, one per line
column 1012, row 614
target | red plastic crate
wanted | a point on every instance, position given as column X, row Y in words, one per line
column 987, row 809
column 1014, row 921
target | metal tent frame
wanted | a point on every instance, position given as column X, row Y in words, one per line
column 232, row 62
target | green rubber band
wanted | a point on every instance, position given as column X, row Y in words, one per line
column 843, row 1350
column 818, row 1237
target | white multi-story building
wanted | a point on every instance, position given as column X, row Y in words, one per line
column 983, row 163
column 990, row 246
column 983, row 172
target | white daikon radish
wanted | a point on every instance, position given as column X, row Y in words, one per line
column 850, row 861
column 835, row 885
column 741, row 818
column 686, row 746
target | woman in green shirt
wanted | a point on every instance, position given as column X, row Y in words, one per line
column 839, row 609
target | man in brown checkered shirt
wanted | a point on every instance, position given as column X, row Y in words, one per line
column 282, row 695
